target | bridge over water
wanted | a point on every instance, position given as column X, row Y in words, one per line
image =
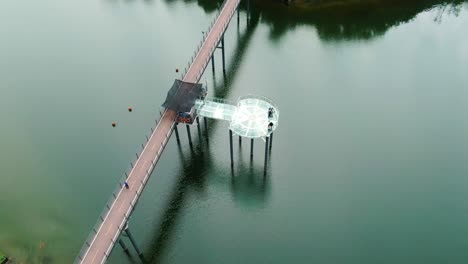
column 113, row 223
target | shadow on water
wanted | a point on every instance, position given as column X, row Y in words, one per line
column 340, row 22
column 249, row 187
column 196, row 163
column 351, row 22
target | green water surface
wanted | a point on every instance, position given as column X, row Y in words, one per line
column 369, row 163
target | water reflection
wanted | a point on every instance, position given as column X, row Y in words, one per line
column 338, row 23
column 248, row 185
column 351, row 23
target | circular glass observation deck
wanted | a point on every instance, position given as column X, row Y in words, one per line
column 254, row 116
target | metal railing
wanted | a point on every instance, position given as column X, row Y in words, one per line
column 117, row 192
column 129, row 172
column 205, row 35
column 263, row 98
column 219, row 100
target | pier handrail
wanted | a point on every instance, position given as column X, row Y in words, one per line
column 115, row 194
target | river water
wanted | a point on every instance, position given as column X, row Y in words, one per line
column 368, row 165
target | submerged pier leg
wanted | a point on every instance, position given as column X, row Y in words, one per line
column 251, row 147
column 266, row 155
column 177, row 133
column 132, row 240
column 248, row 11
column 230, row 144
column 212, row 62
column 199, row 130
column 189, row 137
column 271, row 140
column 222, row 51
column 205, row 120
column 238, row 19
column 124, row 247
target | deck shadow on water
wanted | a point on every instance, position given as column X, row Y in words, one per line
column 248, row 185
column 247, row 181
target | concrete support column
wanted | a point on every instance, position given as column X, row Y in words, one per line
column 248, row 11
column 132, row 240
column 177, row 133
column 199, row 131
column 124, row 247
column 271, row 140
column 222, row 51
column 230, row 144
column 212, row 62
column 205, row 120
column 238, row 19
column 189, row 136
column 266, row 155
column 251, row 147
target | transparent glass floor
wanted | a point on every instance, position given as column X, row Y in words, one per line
column 250, row 118
column 215, row 108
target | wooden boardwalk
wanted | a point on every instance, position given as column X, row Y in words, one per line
column 103, row 238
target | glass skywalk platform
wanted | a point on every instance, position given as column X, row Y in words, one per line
column 252, row 117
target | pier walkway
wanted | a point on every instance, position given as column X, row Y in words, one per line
column 113, row 222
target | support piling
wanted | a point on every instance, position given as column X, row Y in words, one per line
column 205, row 121
column 251, row 147
column 222, row 51
column 177, row 133
column 266, row 154
column 189, row 136
column 199, row 130
column 124, row 247
column 132, row 240
column 212, row 62
column 230, row 144
column 271, row 140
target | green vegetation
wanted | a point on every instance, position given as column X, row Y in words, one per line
column 3, row 258
column 339, row 4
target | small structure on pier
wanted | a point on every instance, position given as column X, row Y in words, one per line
column 182, row 97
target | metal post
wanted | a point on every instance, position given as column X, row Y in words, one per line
column 177, row 133
column 266, row 154
column 271, row 140
column 129, row 235
column 222, row 50
column 124, row 247
column 212, row 62
column 238, row 22
column 251, row 147
column 240, row 141
column 230, row 144
column 248, row 11
column 205, row 120
column 199, row 130
column 189, row 136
